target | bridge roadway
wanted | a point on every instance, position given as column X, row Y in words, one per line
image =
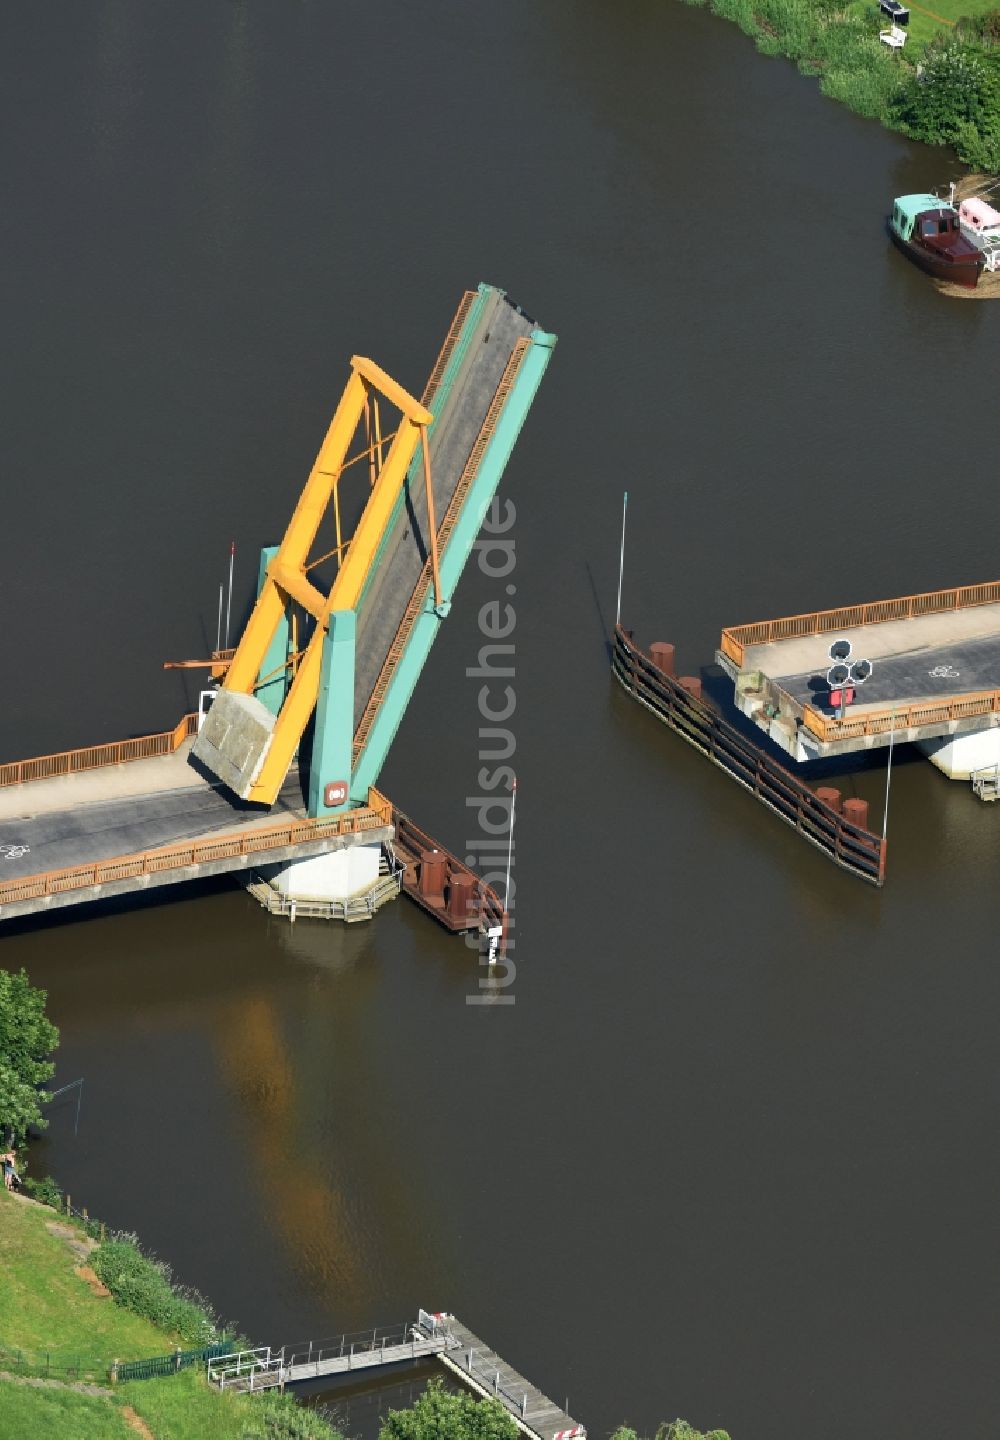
column 930, row 657
column 123, row 810
column 162, row 820
column 493, row 331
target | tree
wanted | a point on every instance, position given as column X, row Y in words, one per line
column 27, row 1039
column 954, row 90
column 676, row 1430
column 442, row 1414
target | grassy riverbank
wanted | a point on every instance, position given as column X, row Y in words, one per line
column 942, row 88
column 59, row 1334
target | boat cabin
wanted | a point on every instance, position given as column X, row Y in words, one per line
column 924, row 219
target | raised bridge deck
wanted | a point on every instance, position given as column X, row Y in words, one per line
column 112, row 819
column 440, row 1336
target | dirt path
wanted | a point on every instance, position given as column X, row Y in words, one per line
column 81, row 1386
column 137, row 1423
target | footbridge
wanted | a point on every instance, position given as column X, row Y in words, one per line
column 277, row 775
column 437, row 1336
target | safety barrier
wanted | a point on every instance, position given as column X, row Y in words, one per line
column 450, row 341
column 903, row 717
column 158, row 1365
column 93, row 757
column 373, row 816
column 736, row 639
column 859, row 851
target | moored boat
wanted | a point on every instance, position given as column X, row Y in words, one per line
column 928, row 231
column 980, row 224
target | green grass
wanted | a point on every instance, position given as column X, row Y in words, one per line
column 27, row 1413
column 44, row 1307
column 924, row 27
column 179, row 1407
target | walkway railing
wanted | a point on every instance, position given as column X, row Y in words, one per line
column 92, row 757
column 264, row 1368
column 373, row 816
column 736, row 639
column 848, row 845
column 903, row 717
column 450, row 341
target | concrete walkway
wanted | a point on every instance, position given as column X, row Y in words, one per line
column 109, row 782
column 963, row 646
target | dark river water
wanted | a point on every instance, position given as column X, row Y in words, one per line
column 732, row 1153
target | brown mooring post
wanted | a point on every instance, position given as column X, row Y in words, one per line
column 856, row 811
column 662, row 656
column 692, row 685
column 433, row 864
column 461, row 897
column 829, row 796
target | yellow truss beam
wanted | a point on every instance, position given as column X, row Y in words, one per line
column 286, row 577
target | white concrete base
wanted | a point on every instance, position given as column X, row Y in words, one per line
column 958, row 755
column 334, row 876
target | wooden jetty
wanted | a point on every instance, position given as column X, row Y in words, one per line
column 483, row 1370
column 438, row 1335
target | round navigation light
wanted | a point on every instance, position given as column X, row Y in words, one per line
column 861, row 671
column 840, row 650
column 838, row 675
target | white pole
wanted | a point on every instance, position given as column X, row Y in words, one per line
column 218, row 627
column 510, row 842
column 888, row 777
column 229, row 601
column 621, row 563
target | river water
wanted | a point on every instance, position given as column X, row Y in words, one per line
column 731, row 1153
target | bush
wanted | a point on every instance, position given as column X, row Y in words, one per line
column 869, row 92
column 282, row 1417
column 442, row 1414
column 676, row 1430
column 144, row 1285
column 952, row 88
column 45, row 1191
column 979, row 147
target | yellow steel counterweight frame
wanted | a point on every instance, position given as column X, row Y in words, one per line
column 286, row 579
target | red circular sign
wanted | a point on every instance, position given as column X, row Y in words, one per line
column 335, row 793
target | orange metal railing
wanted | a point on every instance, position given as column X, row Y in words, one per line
column 904, row 717
column 92, row 757
column 736, row 639
column 450, row 341
column 374, row 815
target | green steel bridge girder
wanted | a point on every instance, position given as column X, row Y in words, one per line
column 452, row 563
column 333, row 735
